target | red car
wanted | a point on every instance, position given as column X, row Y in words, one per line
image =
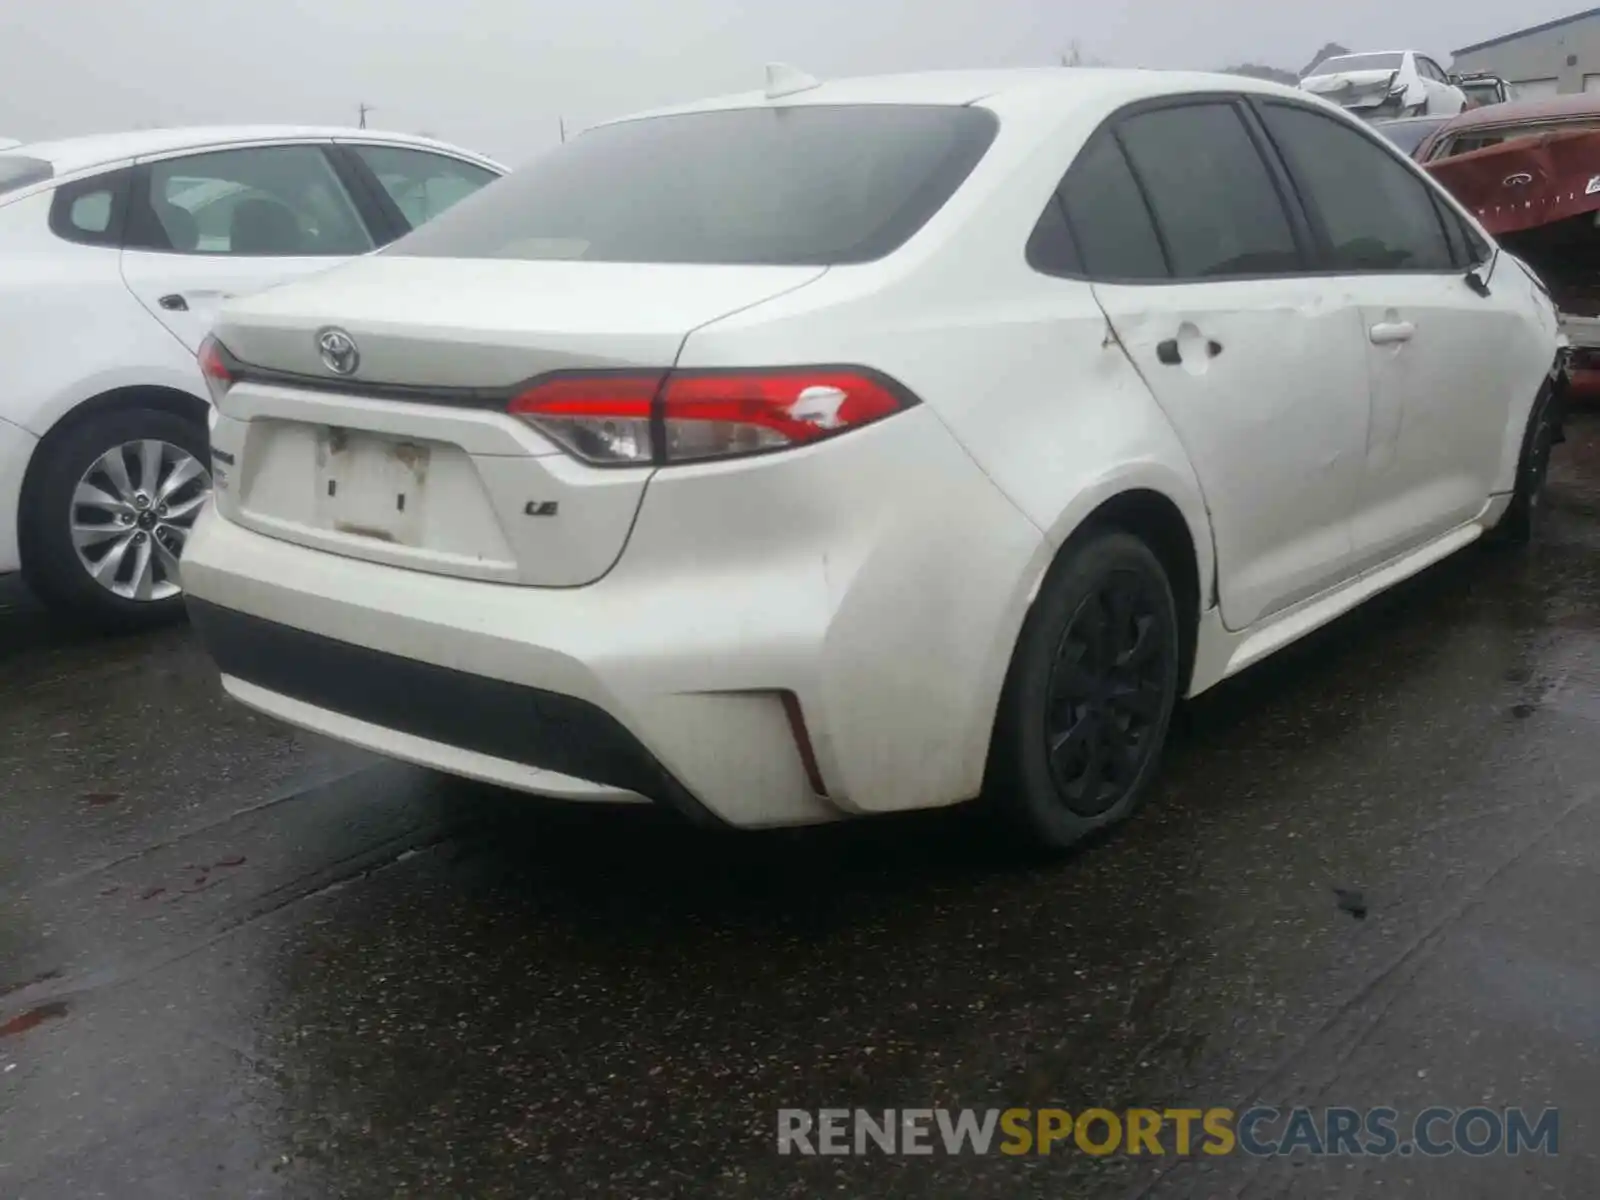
column 1530, row 173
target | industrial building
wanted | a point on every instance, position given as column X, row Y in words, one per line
column 1544, row 60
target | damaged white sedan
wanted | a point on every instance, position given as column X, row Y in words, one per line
column 1388, row 83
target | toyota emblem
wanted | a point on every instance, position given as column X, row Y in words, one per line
column 338, row 351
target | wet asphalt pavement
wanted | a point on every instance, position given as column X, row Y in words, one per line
column 236, row 960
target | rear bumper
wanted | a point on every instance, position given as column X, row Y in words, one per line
column 874, row 589
column 401, row 706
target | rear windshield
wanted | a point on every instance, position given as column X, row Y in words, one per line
column 813, row 184
column 18, row 171
column 1358, row 62
column 1407, row 135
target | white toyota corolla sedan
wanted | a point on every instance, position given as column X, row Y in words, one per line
column 864, row 446
column 115, row 253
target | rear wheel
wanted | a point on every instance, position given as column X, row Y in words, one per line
column 1090, row 694
column 108, row 509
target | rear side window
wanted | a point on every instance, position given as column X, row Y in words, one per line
column 1214, row 200
column 18, row 171
column 1109, row 217
column 811, row 184
column 90, row 211
column 1376, row 215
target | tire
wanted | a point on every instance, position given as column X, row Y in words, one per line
column 1106, row 715
column 1520, row 525
column 55, row 519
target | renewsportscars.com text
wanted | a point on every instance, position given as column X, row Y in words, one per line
column 1259, row 1131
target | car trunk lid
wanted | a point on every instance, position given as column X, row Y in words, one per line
column 409, row 457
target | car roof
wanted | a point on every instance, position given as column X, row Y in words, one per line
column 67, row 155
column 1363, row 54
column 1069, row 85
column 1515, row 112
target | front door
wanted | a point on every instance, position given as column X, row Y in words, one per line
column 1439, row 403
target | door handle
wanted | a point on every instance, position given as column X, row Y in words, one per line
column 174, row 303
column 1390, row 333
column 1168, row 353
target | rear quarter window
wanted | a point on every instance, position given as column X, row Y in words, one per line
column 91, row 211
column 1109, row 216
column 816, row 185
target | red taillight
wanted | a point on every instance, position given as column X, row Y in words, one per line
column 214, row 366
column 692, row 416
column 599, row 417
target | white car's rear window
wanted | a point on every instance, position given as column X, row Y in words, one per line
column 18, row 171
column 1358, row 62
column 815, row 185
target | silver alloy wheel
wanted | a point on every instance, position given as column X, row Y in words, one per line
column 131, row 514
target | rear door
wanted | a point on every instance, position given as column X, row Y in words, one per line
column 1439, row 396
column 1199, row 261
column 204, row 227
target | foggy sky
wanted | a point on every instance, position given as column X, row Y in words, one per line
column 495, row 74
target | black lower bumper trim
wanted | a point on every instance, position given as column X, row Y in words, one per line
column 524, row 725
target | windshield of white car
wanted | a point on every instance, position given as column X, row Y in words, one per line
column 805, row 185
column 1358, row 62
column 1407, row 135
column 18, row 171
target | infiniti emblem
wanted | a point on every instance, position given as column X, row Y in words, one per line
column 338, row 351
column 1520, row 179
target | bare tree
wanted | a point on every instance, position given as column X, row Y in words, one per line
column 1075, row 57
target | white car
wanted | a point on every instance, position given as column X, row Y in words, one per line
column 922, row 437
column 1386, row 83
column 115, row 253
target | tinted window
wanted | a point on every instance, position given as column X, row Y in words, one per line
column 1377, row 215
column 1051, row 249
column 422, row 185
column 1214, row 202
column 1358, row 62
column 18, row 171
column 90, row 210
column 808, row 184
column 270, row 201
column 1109, row 217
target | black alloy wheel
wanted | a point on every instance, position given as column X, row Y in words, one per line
column 1090, row 694
column 1108, row 692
